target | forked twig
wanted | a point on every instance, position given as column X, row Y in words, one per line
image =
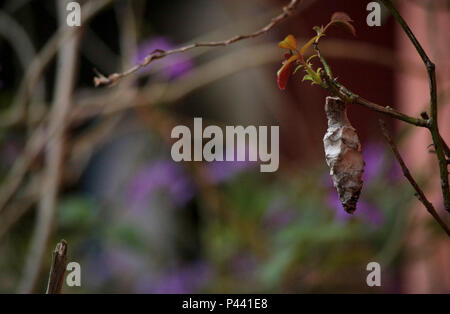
column 419, row 193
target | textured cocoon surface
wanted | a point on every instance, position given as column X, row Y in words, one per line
column 343, row 154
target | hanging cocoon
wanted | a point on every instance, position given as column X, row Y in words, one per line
column 343, row 154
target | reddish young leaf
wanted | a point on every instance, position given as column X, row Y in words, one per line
column 342, row 18
column 285, row 72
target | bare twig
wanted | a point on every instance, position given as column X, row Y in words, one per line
column 391, row 112
column 446, row 148
column 20, row 206
column 58, row 268
column 348, row 96
column 25, row 51
column 419, row 193
column 112, row 79
column 434, row 129
column 31, row 78
column 54, row 157
column 44, row 57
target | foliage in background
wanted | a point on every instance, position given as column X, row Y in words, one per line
column 280, row 234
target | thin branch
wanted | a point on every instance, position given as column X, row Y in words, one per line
column 112, row 79
column 419, row 193
column 349, row 97
column 58, row 268
column 65, row 81
column 22, row 45
column 31, row 78
column 446, row 148
column 434, row 129
column 21, row 166
column 17, row 208
column 391, row 112
column 37, row 67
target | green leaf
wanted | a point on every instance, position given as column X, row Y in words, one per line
column 310, row 58
column 76, row 212
column 307, row 77
column 312, row 75
column 128, row 235
column 273, row 270
column 298, row 68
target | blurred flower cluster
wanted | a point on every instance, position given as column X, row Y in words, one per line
column 287, row 233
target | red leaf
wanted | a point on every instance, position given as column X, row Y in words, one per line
column 285, row 72
column 341, row 16
column 283, row 77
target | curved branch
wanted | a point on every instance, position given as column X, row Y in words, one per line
column 113, row 79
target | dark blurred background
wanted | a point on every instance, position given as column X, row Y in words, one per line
column 137, row 222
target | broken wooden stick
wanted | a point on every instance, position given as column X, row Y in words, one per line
column 58, row 268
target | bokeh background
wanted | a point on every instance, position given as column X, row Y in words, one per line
column 137, row 222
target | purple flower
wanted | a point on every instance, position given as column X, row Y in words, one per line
column 186, row 279
column 122, row 258
column 373, row 157
column 365, row 211
column 161, row 175
column 222, row 171
column 110, row 263
column 173, row 66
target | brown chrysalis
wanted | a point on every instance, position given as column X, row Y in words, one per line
column 343, row 154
